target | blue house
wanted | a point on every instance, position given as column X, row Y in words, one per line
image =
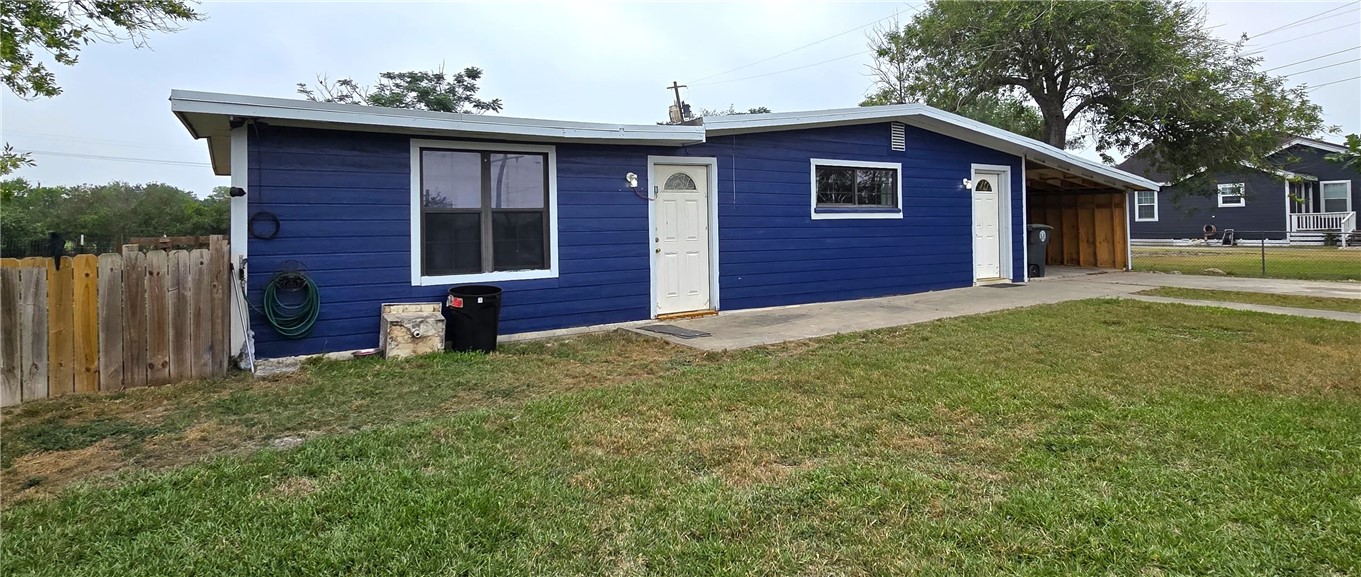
column 1305, row 199
column 587, row 224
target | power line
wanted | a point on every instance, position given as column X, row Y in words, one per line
column 814, row 43
column 1328, row 66
column 1312, row 59
column 1304, row 20
column 1318, row 86
column 115, row 158
column 1259, row 49
column 862, row 52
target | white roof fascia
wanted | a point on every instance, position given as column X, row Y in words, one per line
column 1313, row 142
column 326, row 113
column 907, row 113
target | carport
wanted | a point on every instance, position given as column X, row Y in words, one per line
column 1087, row 210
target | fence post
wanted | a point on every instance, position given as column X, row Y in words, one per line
column 1264, row 254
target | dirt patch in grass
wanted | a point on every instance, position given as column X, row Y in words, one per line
column 46, row 472
column 1276, row 300
column 294, row 487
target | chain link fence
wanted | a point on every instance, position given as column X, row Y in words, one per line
column 1259, row 254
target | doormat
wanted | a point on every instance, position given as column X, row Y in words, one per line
column 1003, row 285
column 675, row 331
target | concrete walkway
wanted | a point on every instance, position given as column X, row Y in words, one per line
column 1292, row 311
column 749, row 328
column 1313, row 288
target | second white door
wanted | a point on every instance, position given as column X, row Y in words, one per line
column 987, row 248
column 682, row 239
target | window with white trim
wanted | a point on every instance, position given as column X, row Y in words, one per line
column 1145, row 206
column 1231, row 195
column 482, row 212
column 856, row 189
column 1337, row 195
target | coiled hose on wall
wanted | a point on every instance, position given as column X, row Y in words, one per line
column 296, row 320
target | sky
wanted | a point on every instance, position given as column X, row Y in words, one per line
column 602, row 62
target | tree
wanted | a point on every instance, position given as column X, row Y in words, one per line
column 1351, row 157
column 731, row 111
column 421, row 90
column 62, row 28
column 1131, row 73
column 112, row 212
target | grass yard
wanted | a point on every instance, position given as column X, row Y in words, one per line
column 1095, row 437
column 1277, row 300
column 1304, row 263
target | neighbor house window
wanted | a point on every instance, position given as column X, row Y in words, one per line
column 1337, row 195
column 1231, row 195
column 484, row 212
column 856, row 189
column 1145, row 205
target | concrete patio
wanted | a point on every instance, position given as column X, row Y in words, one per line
column 749, row 328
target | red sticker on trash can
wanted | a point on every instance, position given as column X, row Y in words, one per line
column 456, row 302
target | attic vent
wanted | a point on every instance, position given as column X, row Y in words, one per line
column 897, row 136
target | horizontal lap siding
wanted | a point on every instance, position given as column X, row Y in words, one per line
column 1184, row 213
column 342, row 200
column 772, row 253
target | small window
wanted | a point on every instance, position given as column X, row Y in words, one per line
column 483, row 212
column 1145, row 206
column 845, row 189
column 1231, row 195
column 1337, row 195
column 680, row 181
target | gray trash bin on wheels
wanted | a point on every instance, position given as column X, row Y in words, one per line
column 1037, row 244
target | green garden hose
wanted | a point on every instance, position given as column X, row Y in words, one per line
column 292, row 321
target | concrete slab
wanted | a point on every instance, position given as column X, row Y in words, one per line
column 1336, row 289
column 749, row 328
column 1311, row 313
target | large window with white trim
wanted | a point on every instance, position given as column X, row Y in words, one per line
column 1145, row 205
column 484, row 212
column 1337, row 195
column 1231, row 195
column 856, row 189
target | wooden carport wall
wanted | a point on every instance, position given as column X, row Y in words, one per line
column 1089, row 219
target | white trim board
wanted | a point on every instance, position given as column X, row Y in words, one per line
column 1241, row 194
column 419, row 279
column 868, row 213
column 239, row 237
column 712, row 164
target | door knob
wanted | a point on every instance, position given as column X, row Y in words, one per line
column 658, row 251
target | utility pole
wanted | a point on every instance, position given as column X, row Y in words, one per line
column 675, row 87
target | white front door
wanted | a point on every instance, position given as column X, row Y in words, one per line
column 987, row 246
column 682, row 247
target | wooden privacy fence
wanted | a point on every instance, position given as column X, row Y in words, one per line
column 1089, row 228
column 114, row 321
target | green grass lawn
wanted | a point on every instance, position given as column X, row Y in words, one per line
column 1097, row 437
column 1278, row 300
column 1304, row 263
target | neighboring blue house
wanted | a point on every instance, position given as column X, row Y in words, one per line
column 590, row 224
column 1308, row 198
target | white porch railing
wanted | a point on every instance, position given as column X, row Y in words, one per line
column 1322, row 222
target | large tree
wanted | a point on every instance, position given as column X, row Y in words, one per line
column 109, row 214
column 62, row 27
column 1129, row 73
column 434, row 90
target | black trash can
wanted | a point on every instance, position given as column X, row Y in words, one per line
column 471, row 316
column 1037, row 244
